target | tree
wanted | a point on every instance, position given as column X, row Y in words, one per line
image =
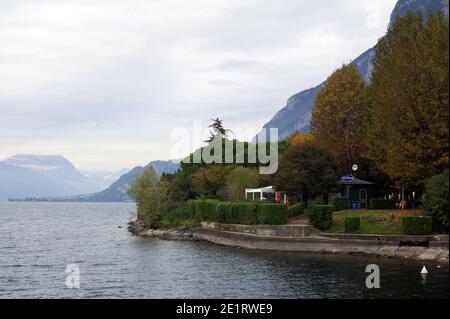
column 217, row 131
column 338, row 115
column 208, row 181
column 436, row 199
column 239, row 179
column 407, row 131
column 149, row 195
column 308, row 169
column 300, row 137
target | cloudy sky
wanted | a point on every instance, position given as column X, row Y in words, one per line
column 106, row 82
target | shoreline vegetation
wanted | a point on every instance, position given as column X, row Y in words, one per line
column 391, row 134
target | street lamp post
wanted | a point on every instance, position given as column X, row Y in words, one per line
column 355, row 168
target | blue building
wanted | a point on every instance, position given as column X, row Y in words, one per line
column 358, row 191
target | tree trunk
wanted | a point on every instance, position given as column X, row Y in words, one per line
column 305, row 197
column 325, row 198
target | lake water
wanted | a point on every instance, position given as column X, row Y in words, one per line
column 38, row 241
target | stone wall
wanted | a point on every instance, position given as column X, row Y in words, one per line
column 321, row 245
column 297, row 231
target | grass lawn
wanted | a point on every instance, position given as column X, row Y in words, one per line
column 377, row 222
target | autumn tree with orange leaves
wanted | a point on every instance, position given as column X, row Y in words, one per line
column 408, row 130
column 300, row 137
column 338, row 115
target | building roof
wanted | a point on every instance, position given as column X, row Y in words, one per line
column 356, row 181
column 268, row 189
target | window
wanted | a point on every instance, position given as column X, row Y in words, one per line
column 363, row 194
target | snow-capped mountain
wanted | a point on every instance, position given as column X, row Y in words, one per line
column 55, row 189
column 51, row 165
column 43, row 175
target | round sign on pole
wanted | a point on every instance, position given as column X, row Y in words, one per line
column 355, row 167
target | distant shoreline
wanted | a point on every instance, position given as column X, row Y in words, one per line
column 13, row 200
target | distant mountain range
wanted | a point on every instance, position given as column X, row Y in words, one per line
column 55, row 189
column 42, row 175
column 54, row 178
column 106, row 178
column 296, row 115
column 117, row 192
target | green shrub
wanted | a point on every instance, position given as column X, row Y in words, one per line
column 239, row 179
column 340, row 204
column 150, row 196
column 352, row 224
column 380, row 203
column 190, row 208
column 177, row 215
column 222, row 212
column 236, row 213
column 247, row 212
column 204, row 210
column 422, row 225
column 229, row 214
column 321, row 216
column 316, row 201
column 296, row 210
column 436, row 200
column 272, row 214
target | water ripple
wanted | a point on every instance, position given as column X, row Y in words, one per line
column 114, row 264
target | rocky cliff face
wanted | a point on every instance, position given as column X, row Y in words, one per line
column 403, row 6
column 296, row 115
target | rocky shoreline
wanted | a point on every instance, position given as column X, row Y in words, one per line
column 181, row 233
column 435, row 252
column 383, row 247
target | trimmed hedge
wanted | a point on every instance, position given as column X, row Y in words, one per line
column 224, row 214
column 380, row 203
column 190, row 208
column 272, row 214
column 296, row 210
column 203, row 210
column 246, row 213
column 352, row 224
column 321, row 216
column 436, row 201
column 341, row 203
column 236, row 213
column 178, row 214
column 422, row 225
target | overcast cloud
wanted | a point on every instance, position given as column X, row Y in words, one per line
column 104, row 82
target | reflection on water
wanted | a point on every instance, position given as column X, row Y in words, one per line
column 38, row 241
